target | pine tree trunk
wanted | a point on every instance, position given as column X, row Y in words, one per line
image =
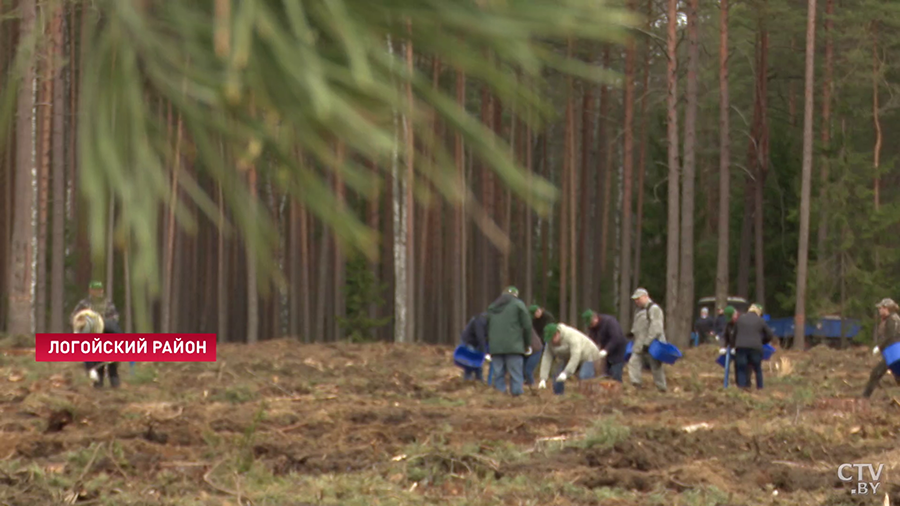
column 21, row 318
column 545, row 227
column 587, row 198
column 401, row 292
column 222, row 277
column 803, row 248
column 827, row 87
column 529, row 215
column 46, row 117
column 743, row 281
column 458, row 246
column 722, row 264
column 627, row 182
column 876, row 68
column 762, row 160
column 58, row 285
column 168, row 279
column 604, row 173
column 673, row 233
column 409, row 202
column 252, row 283
column 686, row 269
column 339, row 273
column 642, row 160
column 564, row 301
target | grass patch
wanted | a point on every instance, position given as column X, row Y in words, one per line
column 605, row 433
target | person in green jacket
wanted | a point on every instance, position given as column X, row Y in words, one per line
column 509, row 340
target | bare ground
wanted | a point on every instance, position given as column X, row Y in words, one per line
column 287, row 424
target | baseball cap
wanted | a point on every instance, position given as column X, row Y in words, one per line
column 640, row 292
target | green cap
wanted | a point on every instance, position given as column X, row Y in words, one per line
column 512, row 291
column 533, row 309
column 729, row 311
column 587, row 315
column 96, row 285
column 550, row 331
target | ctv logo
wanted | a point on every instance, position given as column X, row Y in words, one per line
column 863, row 487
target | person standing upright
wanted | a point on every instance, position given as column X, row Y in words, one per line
column 887, row 333
column 704, row 327
column 751, row 334
column 648, row 326
column 509, row 340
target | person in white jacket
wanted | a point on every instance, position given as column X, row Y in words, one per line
column 575, row 351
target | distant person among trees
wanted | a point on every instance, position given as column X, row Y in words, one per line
column 887, row 333
column 575, row 352
column 751, row 333
column 648, row 326
column 475, row 337
column 540, row 319
column 88, row 321
column 605, row 331
column 721, row 321
column 705, row 327
column 509, row 340
column 729, row 338
column 97, row 302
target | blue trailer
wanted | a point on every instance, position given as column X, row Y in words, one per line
column 818, row 330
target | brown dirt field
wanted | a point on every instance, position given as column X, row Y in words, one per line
column 287, row 424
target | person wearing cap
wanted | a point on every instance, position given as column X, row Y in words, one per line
column 729, row 335
column 509, row 340
column 540, row 318
column 751, row 333
column 474, row 336
column 887, row 333
column 96, row 301
column 607, row 334
column 649, row 325
column 704, row 327
column 576, row 354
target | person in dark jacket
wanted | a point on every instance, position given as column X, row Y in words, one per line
column 888, row 333
column 475, row 337
column 729, row 334
column 533, row 360
column 751, row 333
column 721, row 322
column 607, row 334
column 705, row 327
column 88, row 321
column 540, row 319
column 509, row 340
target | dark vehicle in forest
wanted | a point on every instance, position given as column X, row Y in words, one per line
column 739, row 303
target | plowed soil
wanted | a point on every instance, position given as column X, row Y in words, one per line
column 282, row 423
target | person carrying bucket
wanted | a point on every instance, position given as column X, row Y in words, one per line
column 575, row 351
column 607, row 334
column 728, row 337
column 888, row 333
column 648, row 325
column 509, row 340
column 474, row 336
column 751, row 333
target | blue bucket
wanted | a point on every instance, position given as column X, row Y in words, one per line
column 768, row 351
column 666, row 353
column 891, row 356
column 628, row 349
column 467, row 358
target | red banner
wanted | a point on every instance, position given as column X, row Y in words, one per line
column 125, row 347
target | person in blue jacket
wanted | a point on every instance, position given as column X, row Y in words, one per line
column 474, row 336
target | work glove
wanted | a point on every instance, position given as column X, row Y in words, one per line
column 875, row 350
column 732, row 352
column 561, row 378
column 542, row 384
column 722, row 351
column 662, row 339
column 94, row 375
column 528, row 352
column 603, row 353
column 487, row 357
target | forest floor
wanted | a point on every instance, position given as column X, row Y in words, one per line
column 287, row 424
